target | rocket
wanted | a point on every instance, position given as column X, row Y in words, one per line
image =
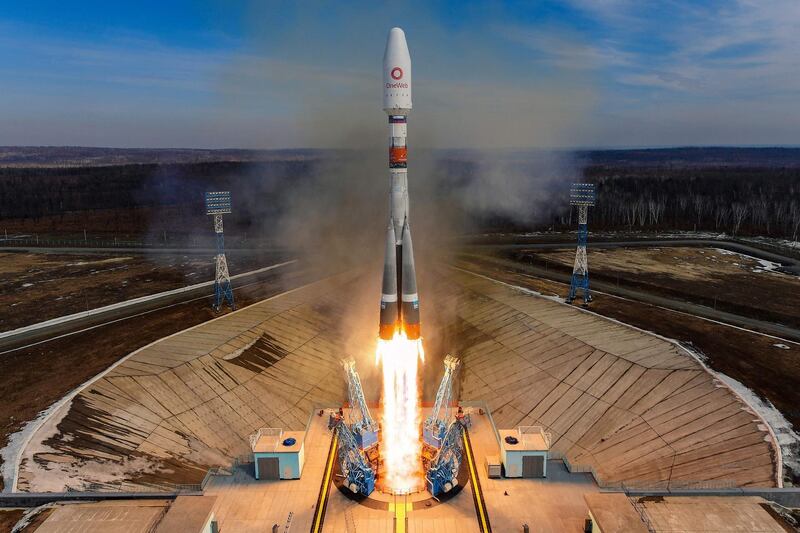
column 399, row 275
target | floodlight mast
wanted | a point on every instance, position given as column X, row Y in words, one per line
column 217, row 204
column 581, row 195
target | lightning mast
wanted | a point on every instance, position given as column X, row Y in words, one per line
column 218, row 204
column 581, row 195
column 435, row 428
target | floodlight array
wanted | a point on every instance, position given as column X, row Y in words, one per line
column 218, row 203
column 581, row 194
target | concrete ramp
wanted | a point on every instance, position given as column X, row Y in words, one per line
column 189, row 401
column 620, row 402
column 625, row 404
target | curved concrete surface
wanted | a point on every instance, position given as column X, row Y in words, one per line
column 630, row 406
column 627, row 404
column 189, row 401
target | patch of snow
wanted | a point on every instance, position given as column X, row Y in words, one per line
column 29, row 515
column 17, row 442
column 767, row 266
column 788, row 438
column 782, row 346
column 763, row 264
column 27, row 284
column 101, row 261
column 695, row 351
column 236, row 353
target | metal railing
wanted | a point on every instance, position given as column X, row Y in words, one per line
column 139, row 487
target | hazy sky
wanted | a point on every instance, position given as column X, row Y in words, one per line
column 487, row 74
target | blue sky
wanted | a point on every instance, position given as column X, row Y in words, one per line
column 486, row 74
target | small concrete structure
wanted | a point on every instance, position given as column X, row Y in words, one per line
column 613, row 513
column 277, row 454
column 190, row 514
column 494, row 468
column 524, row 451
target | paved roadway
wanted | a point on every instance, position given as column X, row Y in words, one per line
column 770, row 328
column 789, row 264
column 71, row 324
column 136, row 250
column 116, row 312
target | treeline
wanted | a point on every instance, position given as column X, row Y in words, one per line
column 753, row 191
column 33, row 194
column 734, row 200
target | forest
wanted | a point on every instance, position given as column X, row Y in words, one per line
column 737, row 191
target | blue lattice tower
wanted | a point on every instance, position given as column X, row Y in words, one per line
column 581, row 195
column 355, row 467
column 435, row 426
column 442, row 475
column 218, row 204
column 364, row 428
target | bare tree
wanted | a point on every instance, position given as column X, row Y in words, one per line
column 700, row 204
column 794, row 215
column 738, row 214
column 721, row 213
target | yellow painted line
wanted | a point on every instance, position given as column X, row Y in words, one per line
column 476, row 487
column 400, row 514
column 322, row 500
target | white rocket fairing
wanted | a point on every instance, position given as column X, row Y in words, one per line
column 399, row 275
column 396, row 74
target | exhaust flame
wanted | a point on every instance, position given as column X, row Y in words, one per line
column 400, row 434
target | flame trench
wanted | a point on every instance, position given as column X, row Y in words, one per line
column 401, row 447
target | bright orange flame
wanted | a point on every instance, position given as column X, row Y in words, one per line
column 400, row 443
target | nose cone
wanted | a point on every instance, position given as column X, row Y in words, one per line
column 396, row 74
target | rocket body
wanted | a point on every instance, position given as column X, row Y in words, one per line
column 399, row 274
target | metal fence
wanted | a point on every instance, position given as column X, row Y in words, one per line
column 35, row 241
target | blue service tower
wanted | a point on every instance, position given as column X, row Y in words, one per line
column 445, row 433
column 581, row 195
column 356, row 469
column 435, row 427
column 442, row 475
column 356, row 437
column 218, row 204
column 364, row 428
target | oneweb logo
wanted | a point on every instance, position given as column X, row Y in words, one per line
column 397, row 73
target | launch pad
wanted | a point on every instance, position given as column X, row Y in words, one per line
column 420, row 491
column 522, row 355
